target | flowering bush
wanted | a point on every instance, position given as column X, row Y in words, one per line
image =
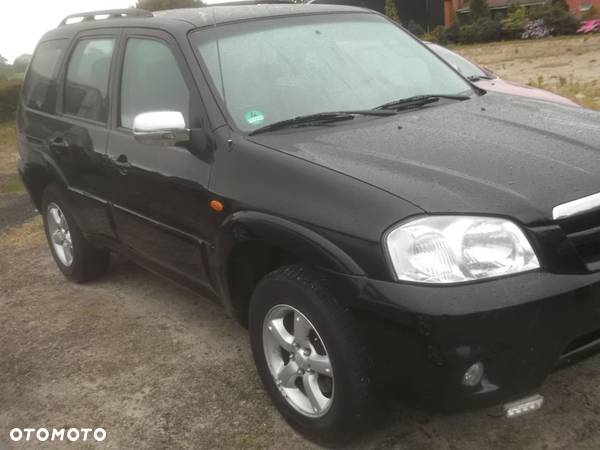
column 556, row 17
column 536, row 29
column 590, row 26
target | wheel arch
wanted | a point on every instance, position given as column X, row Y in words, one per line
column 37, row 176
column 253, row 244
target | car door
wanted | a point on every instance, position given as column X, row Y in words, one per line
column 75, row 138
column 159, row 194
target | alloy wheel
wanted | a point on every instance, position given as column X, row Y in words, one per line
column 298, row 361
column 60, row 236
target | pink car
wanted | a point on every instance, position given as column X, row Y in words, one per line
column 490, row 82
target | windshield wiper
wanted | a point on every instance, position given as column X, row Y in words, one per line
column 474, row 78
column 319, row 119
column 418, row 101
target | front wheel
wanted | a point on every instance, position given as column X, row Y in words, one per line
column 308, row 355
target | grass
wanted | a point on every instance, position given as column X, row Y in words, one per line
column 587, row 94
column 566, row 65
column 8, row 133
column 10, row 183
column 9, row 95
column 27, row 236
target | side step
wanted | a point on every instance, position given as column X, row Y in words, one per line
column 523, row 406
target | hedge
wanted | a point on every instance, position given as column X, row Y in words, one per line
column 9, row 98
column 539, row 21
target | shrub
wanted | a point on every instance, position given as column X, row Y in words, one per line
column 488, row 30
column 452, row 33
column 9, row 98
column 513, row 6
column 483, row 30
column 514, row 23
column 391, row 10
column 536, row 29
column 479, row 9
column 564, row 24
column 415, row 28
column 438, row 35
column 468, row 34
column 557, row 17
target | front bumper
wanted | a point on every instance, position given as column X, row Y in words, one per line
column 423, row 338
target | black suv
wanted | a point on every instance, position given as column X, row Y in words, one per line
column 372, row 217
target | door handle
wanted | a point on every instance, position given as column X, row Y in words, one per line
column 122, row 163
column 59, row 145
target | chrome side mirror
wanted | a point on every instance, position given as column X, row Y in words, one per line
column 164, row 128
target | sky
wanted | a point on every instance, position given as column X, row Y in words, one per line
column 23, row 22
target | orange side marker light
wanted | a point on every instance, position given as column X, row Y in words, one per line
column 217, row 206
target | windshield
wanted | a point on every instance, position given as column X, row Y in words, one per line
column 271, row 70
column 464, row 66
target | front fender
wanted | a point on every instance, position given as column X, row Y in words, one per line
column 307, row 244
column 299, row 240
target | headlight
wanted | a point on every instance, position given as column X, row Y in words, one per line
column 454, row 249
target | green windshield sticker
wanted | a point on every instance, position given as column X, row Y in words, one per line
column 254, row 117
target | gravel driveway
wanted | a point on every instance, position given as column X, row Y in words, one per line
column 159, row 367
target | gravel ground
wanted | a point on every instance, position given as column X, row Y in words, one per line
column 576, row 57
column 15, row 209
column 567, row 65
column 159, row 367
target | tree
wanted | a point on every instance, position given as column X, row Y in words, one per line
column 515, row 21
column 556, row 17
column 391, row 10
column 5, row 68
column 157, row 5
column 21, row 62
column 479, row 9
column 560, row 5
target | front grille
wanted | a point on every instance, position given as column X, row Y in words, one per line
column 583, row 231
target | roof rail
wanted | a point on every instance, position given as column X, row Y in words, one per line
column 106, row 14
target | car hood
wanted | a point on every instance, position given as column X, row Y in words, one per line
column 508, row 87
column 493, row 154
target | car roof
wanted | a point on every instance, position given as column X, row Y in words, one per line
column 215, row 15
column 190, row 18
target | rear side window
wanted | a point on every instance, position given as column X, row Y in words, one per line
column 40, row 89
column 86, row 89
column 151, row 81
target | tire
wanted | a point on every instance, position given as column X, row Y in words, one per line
column 344, row 413
column 86, row 263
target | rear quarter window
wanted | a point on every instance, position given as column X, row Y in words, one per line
column 41, row 84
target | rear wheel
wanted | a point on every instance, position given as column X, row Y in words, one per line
column 77, row 259
column 308, row 355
